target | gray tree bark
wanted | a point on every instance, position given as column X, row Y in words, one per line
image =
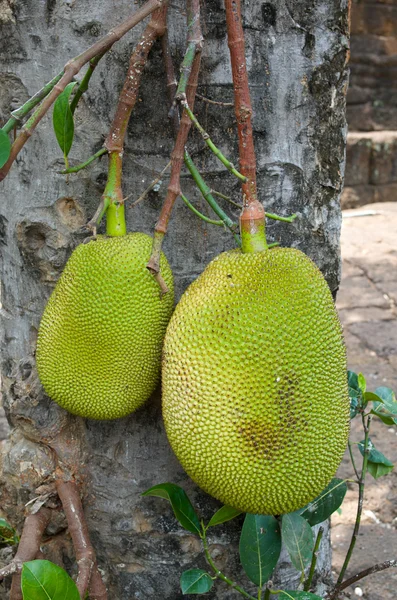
column 297, row 53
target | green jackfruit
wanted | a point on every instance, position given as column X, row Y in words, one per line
column 101, row 335
column 255, row 397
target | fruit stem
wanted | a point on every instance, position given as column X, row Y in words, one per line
column 252, row 228
column 252, row 220
column 177, row 156
column 113, row 198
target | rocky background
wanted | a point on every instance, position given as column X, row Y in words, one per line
column 371, row 170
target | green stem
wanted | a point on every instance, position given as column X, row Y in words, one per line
column 207, row 195
column 309, row 579
column 186, row 68
column 278, row 218
column 30, row 104
column 198, row 213
column 211, row 144
column 361, row 488
column 113, row 198
column 219, row 574
column 83, row 86
column 267, row 594
column 85, row 164
column 259, row 593
column 352, row 459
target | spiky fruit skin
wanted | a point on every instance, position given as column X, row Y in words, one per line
column 101, row 334
column 255, row 398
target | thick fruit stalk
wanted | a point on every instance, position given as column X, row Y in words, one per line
column 252, row 220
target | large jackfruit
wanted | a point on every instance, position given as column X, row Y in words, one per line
column 255, row 397
column 101, row 335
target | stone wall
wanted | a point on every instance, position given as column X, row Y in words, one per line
column 371, row 170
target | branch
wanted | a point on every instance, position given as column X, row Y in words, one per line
column 71, row 69
column 361, row 484
column 177, row 156
column 242, row 100
column 29, row 546
column 113, row 194
column 85, row 555
column 375, row 569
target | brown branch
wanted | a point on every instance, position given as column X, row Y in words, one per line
column 129, row 94
column 177, row 156
column 71, row 69
column 215, row 102
column 374, row 569
column 69, row 495
column 97, row 589
column 29, row 546
column 242, row 100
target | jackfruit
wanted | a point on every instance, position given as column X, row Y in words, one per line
column 255, row 397
column 101, row 334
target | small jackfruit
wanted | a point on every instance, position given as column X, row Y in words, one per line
column 101, row 334
column 255, row 397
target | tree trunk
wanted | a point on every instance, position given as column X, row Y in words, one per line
column 296, row 54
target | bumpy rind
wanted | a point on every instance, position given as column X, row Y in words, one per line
column 255, row 398
column 101, row 334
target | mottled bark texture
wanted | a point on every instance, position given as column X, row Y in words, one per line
column 296, row 57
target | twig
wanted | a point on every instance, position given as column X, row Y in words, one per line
column 374, row 569
column 83, row 85
column 201, row 184
column 215, row 102
column 29, row 546
column 225, row 161
column 71, row 69
column 150, row 187
column 85, row 555
column 218, row 573
column 313, row 564
column 18, row 114
column 177, row 156
column 206, row 192
column 199, row 214
column 361, row 484
column 85, row 164
column 227, row 198
column 352, row 460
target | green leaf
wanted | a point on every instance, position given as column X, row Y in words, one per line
column 226, row 513
column 62, row 120
column 372, row 397
column 5, row 147
column 362, row 384
column 326, row 503
column 354, row 393
column 196, row 581
column 378, row 464
column 284, row 595
column 42, row 580
column 181, row 505
column 7, row 533
column 260, row 547
column 298, row 539
column 387, row 409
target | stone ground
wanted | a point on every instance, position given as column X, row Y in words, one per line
column 367, row 306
